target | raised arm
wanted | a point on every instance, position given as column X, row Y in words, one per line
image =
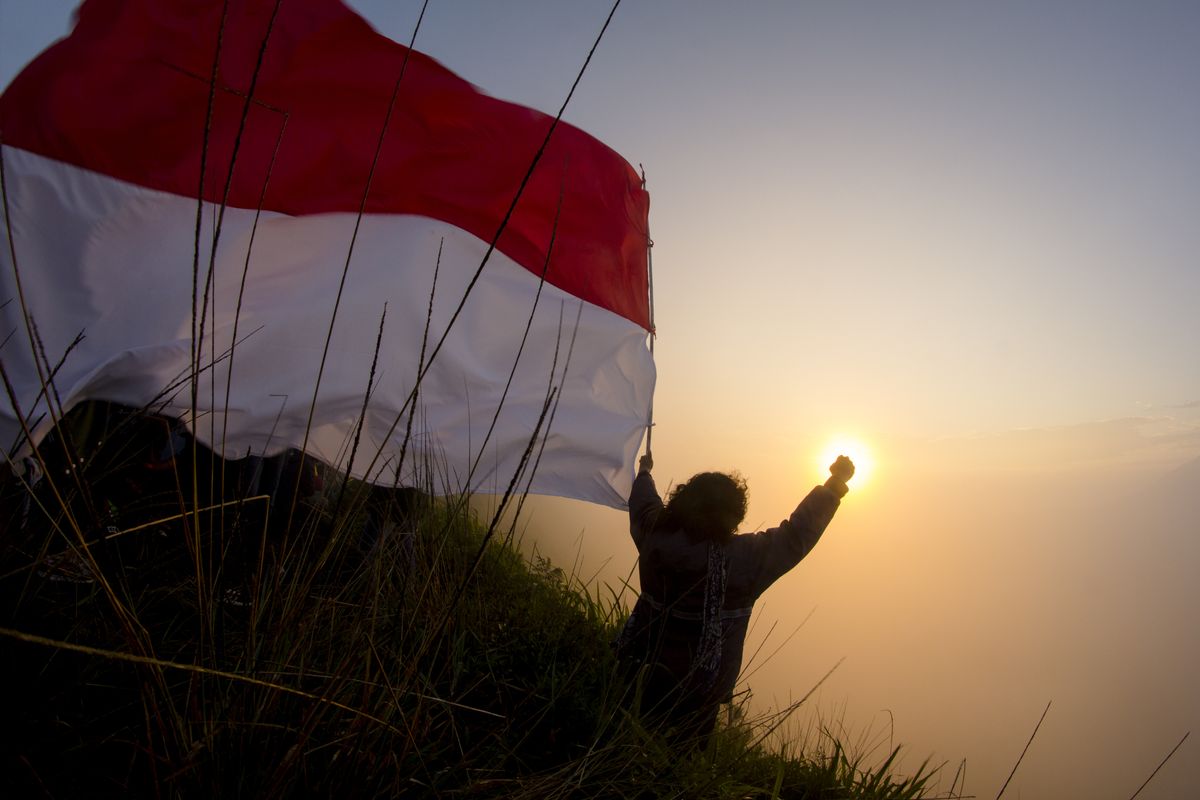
column 775, row 551
column 644, row 502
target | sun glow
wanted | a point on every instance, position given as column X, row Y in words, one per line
column 856, row 451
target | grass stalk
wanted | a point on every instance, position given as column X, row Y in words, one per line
column 1161, row 764
column 1021, row 757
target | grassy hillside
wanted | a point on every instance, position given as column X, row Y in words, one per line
column 335, row 641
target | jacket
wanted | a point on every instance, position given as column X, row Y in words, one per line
column 665, row 626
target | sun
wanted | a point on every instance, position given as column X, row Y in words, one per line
column 856, row 451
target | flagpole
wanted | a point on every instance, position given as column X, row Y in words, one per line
column 653, row 334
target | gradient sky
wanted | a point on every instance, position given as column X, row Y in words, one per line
column 966, row 235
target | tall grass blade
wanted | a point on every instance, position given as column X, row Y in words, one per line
column 1160, row 765
column 1024, row 751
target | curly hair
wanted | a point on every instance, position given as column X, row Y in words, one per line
column 709, row 506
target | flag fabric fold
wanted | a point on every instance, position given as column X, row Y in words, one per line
column 121, row 161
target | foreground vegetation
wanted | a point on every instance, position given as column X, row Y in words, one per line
column 309, row 636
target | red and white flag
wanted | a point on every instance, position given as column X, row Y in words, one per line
column 120, row 164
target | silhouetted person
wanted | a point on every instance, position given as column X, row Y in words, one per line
column 700, row 580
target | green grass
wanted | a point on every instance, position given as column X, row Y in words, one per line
column 435, row 661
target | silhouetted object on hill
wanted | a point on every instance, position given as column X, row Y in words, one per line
column 115, row 469
column 700, row 580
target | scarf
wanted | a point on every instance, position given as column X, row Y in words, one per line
column 708, row 655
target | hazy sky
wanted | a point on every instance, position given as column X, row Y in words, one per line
column 966, row 235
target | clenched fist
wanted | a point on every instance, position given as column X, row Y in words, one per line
column 842, row 469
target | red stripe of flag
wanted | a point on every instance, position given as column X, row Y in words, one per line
column 137, row 113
